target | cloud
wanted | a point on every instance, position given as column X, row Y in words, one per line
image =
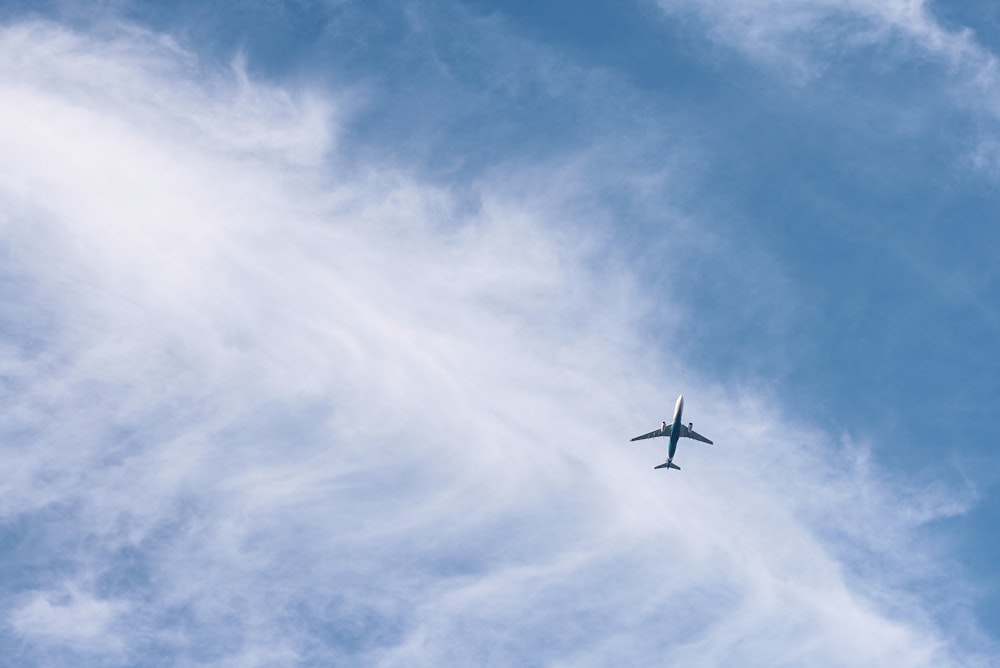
column 805, row 40
column 262, row 409
column 70, row 617
column 803, row 35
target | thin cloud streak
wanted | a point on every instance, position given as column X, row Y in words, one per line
column 266, row 413
column 805, row 39
column 805, row 34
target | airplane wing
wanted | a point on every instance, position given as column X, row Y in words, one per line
column 689, row 433
column 652, row 434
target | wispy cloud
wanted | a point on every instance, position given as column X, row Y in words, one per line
column 805, row 35
column 69, row 617
column 805, row 39
column 264, row 412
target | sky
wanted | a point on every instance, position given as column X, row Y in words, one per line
column 324, row 328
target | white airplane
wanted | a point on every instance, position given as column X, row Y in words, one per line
column 675, row 431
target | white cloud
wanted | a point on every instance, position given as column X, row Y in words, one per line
column 348, row 416
column 803, row 39
column 803, row 35
column 67, row 616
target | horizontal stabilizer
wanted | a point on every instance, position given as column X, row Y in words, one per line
column 668, row 465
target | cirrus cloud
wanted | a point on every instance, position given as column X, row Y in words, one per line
column 265, row 410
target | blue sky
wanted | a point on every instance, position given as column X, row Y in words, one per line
column 326, row 325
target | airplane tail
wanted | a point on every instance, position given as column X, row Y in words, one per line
column 667, row 465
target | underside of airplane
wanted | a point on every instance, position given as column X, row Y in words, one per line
column 674, row 431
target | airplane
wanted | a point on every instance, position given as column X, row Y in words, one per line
column 675, row 431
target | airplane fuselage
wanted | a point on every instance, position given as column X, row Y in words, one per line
column 675, row 427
